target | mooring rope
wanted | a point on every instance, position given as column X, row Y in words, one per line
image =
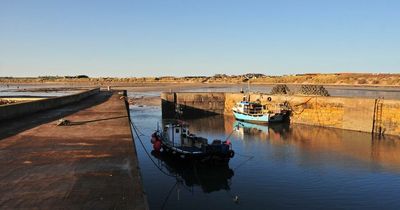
column 247, row 156
column 236, row 153
column 141, row 133
column 243, row 162
column 299, row 104
column 168, row 195
column 148, row 154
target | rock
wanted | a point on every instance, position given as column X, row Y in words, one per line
column 280, row 90
column 63, row 122
column 313, row 90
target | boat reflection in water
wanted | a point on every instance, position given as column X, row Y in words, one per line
column 322, row 141
column 209, row 178
column 261, row 131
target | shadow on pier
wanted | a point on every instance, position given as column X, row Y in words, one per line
column 14, row 126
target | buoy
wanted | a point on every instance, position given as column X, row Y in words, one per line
column 157, row 146
column 236, row 199
column 153, row 140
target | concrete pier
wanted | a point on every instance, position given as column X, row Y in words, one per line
column 90, row 164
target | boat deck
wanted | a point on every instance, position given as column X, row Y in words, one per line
column 189, row 149
column 185, row 149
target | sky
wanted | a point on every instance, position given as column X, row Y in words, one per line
column 198, row 37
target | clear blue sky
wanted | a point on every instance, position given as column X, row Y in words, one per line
column 199, row 37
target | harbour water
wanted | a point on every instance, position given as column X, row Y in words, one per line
column 31, row 90
column 275, row 167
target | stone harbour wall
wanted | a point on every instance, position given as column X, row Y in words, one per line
column 358, row 114
column 21, row 109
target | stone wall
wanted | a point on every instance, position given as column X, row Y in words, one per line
column 192, row 104
column 357, row 114
column 24, row 108
column 391, row 116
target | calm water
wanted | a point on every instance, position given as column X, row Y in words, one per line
column 279, row 167
column 23, row 90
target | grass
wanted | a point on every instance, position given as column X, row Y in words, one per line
column 361, row 79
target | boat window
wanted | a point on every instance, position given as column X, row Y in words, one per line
column 184, row 130
column 177, row 130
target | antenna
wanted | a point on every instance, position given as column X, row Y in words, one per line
column 248, row 84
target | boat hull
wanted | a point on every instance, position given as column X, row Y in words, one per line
column 261, row 119
column 207, row 158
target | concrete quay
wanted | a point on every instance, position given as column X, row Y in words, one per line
column 90, row 164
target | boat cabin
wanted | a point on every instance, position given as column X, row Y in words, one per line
column 179, row 135
column 174, row 132
column 250, row 107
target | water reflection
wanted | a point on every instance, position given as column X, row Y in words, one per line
column 260, row 131
column 208, row 178
column 309, row 139
column 361, row 146
column 294, row 166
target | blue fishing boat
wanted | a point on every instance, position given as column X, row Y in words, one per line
column 255, row 112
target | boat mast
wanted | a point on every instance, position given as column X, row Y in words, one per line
column 248, row 88
column 248, row 85
column 173, row 134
